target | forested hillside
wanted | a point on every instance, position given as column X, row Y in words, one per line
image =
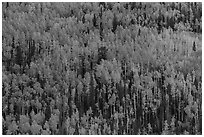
column 102, row 68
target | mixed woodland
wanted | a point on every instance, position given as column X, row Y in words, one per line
column 101, row 68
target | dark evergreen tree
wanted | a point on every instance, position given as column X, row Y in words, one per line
column 115, row 23
column 194, row 46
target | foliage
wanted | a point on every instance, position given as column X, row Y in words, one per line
column 102, row 68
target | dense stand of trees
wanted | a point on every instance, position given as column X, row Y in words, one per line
column 101, row 68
